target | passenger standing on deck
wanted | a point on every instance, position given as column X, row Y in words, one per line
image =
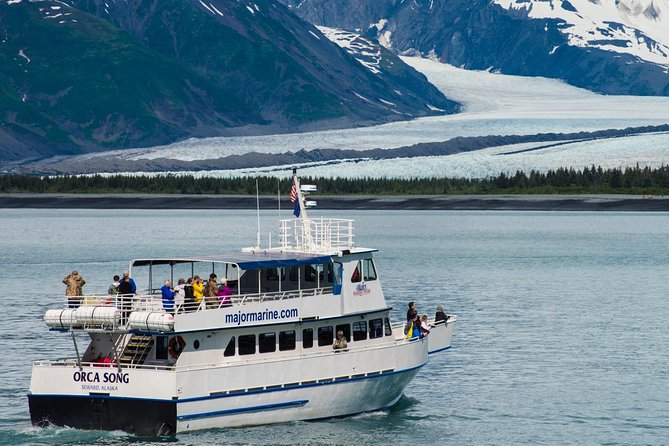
column 132, row 282
column 189, row 295
column 440, row 315
column 113, row 288
column 210, row 291
column 180, row 295
column 125, row 295
column 412, row 328
column 168, row 296
column 412, row 307
column 198, row 290
column 74, row 290
column 224, row 292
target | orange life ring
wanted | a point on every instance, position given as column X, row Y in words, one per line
column 176, row 346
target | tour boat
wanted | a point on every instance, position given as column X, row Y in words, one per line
column 263, row 356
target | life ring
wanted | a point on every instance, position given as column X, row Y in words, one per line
column 176, row 346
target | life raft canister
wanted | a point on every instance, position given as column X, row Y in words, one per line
column 176, row 346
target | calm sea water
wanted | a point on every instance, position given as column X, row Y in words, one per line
column 562, row 335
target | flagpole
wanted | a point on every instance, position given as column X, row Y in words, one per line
column 258, row 213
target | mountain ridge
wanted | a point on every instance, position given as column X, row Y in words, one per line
column 546, row 38
column 90, row 75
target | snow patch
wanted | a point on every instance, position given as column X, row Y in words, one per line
column 22, row 54
column 207, row 7
column 216, row 10
column 361, row 48
column 314, row 34
column 251, row 10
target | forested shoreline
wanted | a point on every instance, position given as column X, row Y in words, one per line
column 592, row 180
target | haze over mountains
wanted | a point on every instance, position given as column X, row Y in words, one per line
column 86, row 75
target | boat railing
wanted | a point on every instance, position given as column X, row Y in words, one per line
column 316, row 234
column 72, row 362
column 154, row 302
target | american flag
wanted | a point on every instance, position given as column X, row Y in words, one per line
column 293, row 194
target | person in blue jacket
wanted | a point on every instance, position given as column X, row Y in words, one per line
column 168, row 296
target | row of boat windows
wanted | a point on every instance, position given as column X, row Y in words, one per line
column 364, row 270
column 287, row 340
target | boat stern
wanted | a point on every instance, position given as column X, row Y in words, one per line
column 103, row 398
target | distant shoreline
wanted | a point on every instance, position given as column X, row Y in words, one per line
column 628, row 203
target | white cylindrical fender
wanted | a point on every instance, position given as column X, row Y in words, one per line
column 62, row 319
column 151, row 321
column 98, row 315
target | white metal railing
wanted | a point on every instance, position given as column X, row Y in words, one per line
column 154, row 302
column 316, row 235
column 72, row 362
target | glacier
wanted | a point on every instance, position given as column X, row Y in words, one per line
column 493, row 104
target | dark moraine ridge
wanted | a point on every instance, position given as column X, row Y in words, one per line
column 371, row 202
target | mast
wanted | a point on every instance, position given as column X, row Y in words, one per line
column 306, row 227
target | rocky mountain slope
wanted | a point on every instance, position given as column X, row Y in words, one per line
column 608, row 46
column 86, row 75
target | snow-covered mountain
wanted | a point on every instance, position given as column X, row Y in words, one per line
column 607, row 46
column 636, row 27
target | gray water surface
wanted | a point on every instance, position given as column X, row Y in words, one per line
column 562, row 335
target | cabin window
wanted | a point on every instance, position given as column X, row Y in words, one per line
column 292, row 273
column 230, row 349
column 359, row 331
column 356, row 276
column 346, row 328
column 267, row 342
column 325, row 336
column 330, row 269
column 369, row 270
column 161, row 347
column 310, row 273
column 376, row 328
column 287, row 340
column 247, row 344
column 196, row 344
column 307, row 338
column 275, row 274
column 338, row 279
column 389, row 329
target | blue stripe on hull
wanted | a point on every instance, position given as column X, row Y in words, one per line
column 438, row 350
column 265, row 407
column 299, row 386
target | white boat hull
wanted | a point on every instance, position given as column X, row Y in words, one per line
column 152, row 402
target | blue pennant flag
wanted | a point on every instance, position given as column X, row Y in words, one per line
column 296, row 211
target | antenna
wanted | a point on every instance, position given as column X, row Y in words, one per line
column 258, row 214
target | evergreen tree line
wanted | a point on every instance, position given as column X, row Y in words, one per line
column 593, row 180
